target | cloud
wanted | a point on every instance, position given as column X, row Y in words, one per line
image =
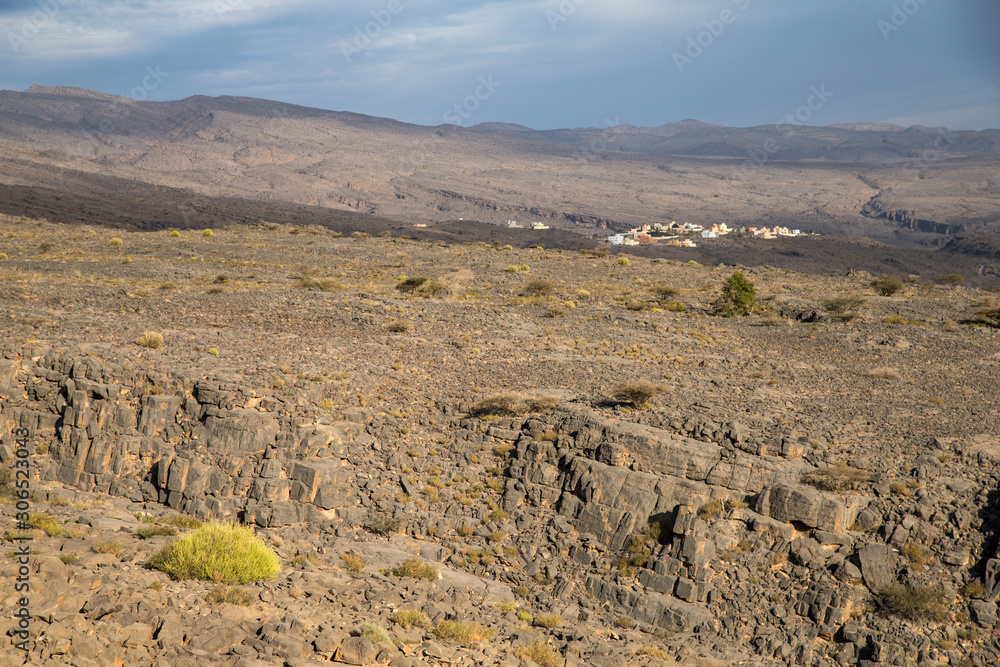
column 55, row 30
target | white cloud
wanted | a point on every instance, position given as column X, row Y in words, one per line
column 61, row 29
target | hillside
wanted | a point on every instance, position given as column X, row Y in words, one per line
column 907, row 187
column 435, row 441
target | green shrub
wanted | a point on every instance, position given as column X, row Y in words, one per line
column 548, row 621
column 513, row 268
column 636, row 393
column 399, row 326
column 412, row 618
column 887, row 285
column 383, row 525
column 989, row 316
column 624, row 261
column 373, row 633
column 116, row 241
column 973, row 589
column 46, row 524
column 713, row 509
column 915, row 554
column 151, row 339
column 230, row 595
column 738, row 299
column 462, row 633
column 665, row 293
column 540, row 287
column 174, row 234
column 207, row 232
column 414, row 569
column 843, row 304
column 914, row 603
column 624, row 622
column 183, row 522
column 69, row 558
column 108, row 547
column 540, row 653
column 353, row 562
column 219, row 552
column 952, row 279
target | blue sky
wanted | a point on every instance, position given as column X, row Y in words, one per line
column 541, row 63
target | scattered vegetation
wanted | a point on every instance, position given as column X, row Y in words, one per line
column 399, row 326
column 951, row 279
column 221, row 552
column 738, row 298
column 108, row 547
column 548, row 621
column 353, row 562
column 413, row 568
column 69, row 558
column 181, row 521
column 373, row 633
column 666, row 293
column 45, row 523
column 837, row 477
column 887, row 285
column 150, row 339
column 636, row 393
column 512, row 405
column 713, row 509
column 540, row 653
column 147, row 532
column 914, row 603
column 462, row 633
column 412, row 618
column 540, row 287
column 843, row 304
column 383, row 525
column 229, row 595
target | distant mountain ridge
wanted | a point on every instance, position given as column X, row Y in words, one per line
column 589, row 180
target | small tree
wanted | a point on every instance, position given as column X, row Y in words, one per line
column 887, row 285
column 739, row 297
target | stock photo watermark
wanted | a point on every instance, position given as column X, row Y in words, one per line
column 758, row 157
column 901, row 14
column 21, row 632
column 31, row 26
column 365, row 36
column 123, row 107
column 566, row 9
column 714, row 28
column 462, row 111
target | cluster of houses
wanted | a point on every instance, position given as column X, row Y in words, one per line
column 513, row 224
column 683, row 234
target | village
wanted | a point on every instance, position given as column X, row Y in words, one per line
column 681, row 234
column 684, row 234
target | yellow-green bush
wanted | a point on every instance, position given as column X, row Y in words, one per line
column 219, row 552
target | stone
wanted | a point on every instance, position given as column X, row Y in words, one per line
column 356, row 651
column 809, row 506
column 878, row 566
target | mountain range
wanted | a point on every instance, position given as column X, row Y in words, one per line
column 905, row 186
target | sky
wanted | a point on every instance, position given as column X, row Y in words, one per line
column 541, row 63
